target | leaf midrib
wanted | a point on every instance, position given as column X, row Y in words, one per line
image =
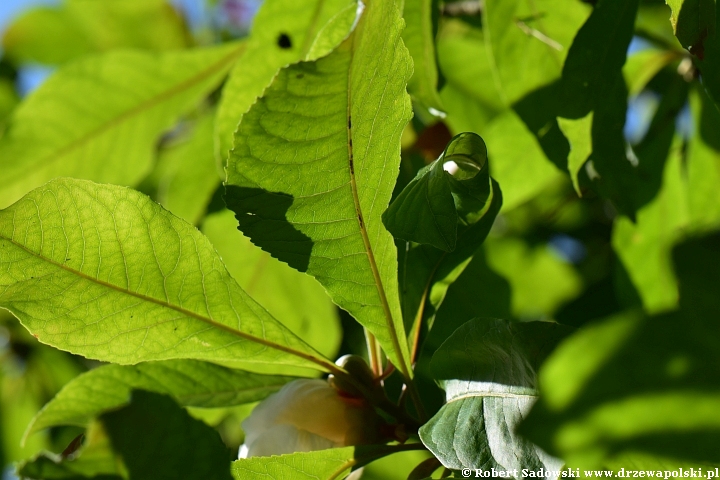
column 133, row 112
column 327, row 366
column 361, row 222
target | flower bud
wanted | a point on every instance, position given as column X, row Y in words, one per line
column 307, row 415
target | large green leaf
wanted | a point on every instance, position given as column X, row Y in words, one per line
column 703, row 163
column 487, row 368
column 527, row 42
column 283, row 32
column 56, row 34
column 100, row 118
column 190, row 382
column 294, row 298
column 330, row 464
column 105, row 272
column 420, row 41
column 157, row 439
column 314, row 165
column 639, row 388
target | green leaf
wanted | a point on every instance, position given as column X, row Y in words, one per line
column 309, row 181
column 487, row 368
column 185, row 176
column 430, row 207
column 189, row 382
column 692, row 21
column 157, row 439
column 420, row 41
column 330, row 464
column 596, row 56
column 295, row 299
column 643, row 65
column 94, row 460
column 630, row 386
column 703, row 163
column 313, row 29
column 578, row 133
column 100, row 118
column 79, row 27
column 517, row 160
column 541, row 282
column 527, row 42
column 105, row 272
column 644, row 246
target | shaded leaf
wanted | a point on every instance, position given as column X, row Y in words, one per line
column 642, row 66
column 487, row 368
column 692, row 21
column 308, row 182
column 188, row 382
column 295, row 299
column 432, row 206
column 419, row 38
column 313, row 28
column 157, row 439
column 99, row 118
column 56, row 34
column 596, row 56
column 105, row 272
column 630, row 387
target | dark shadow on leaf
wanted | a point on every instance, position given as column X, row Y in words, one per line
column 262, row 216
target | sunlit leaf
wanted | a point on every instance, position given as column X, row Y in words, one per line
column 158, row 439
column 56, row 34
column 330, row 464
column 283, row 32
column 188, row 382
column 309, row 181
column 578, row 133
column 294, row 298
column 420, row 41
column 487, row 368
column 528, row 42
column 105, row 272
column 100, row 118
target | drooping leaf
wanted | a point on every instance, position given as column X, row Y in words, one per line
column 56, row 34
column 643, row 389
column 430, row 207
column 487, row 368
column 527, row 42
column 157, row 439
column 105, row 272
column 597, row 56
column 578, row 133
column 443, row 217
column 99, row 118
column 308, row 181
column 283, row 32
column 185, row 175
column 420, row 41
column 330, row 464
column 189, row 382
column 295, row 299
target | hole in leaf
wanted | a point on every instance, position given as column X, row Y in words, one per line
column 284, row 41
